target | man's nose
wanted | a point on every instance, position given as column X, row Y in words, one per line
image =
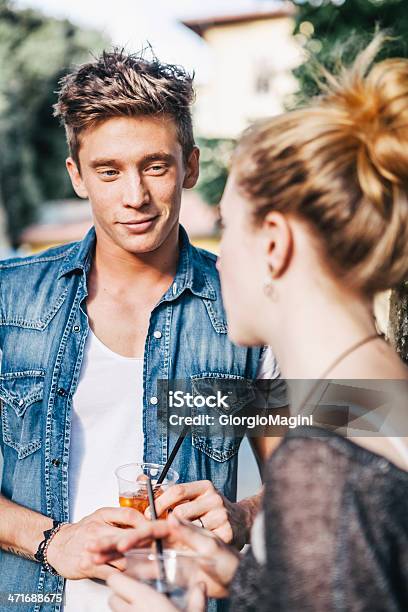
column 135, row 193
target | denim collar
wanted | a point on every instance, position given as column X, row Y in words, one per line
column 190, row 275
column 79, row 256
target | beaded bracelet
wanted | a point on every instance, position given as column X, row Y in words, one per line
column 41, row 554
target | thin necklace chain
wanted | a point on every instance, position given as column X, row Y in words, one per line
column 348, row 351
column 394, row 441
column 336, row 362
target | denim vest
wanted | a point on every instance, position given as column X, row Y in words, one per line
column 43, row 329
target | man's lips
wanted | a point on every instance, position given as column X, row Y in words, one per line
column 138, row 221
column 139, row 226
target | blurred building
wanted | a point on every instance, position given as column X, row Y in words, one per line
column 61, row 221
column 253, row 54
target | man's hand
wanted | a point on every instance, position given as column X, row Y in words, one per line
column 67, row 552
column 201, row 503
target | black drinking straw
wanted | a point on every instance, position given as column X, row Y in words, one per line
column 162, row 582
column 173, row 454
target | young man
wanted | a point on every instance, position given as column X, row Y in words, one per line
column 88, row 329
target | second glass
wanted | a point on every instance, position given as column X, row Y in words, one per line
column 180, row 569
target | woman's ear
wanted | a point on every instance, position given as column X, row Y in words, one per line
column 76, row 179
column 278, row 237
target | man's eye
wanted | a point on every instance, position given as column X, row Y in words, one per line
column 109, row 173
column 157, row 169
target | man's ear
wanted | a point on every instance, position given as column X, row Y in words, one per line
column 278, row 242
column 192, row 170
column 76, row 179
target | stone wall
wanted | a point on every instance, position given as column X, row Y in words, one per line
column 398, row 321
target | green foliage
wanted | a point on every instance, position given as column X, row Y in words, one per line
column 330, row 29
column 35, row 51
column 337, row 26
column 214, row 165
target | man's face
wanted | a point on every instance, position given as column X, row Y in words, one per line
column 132, row 171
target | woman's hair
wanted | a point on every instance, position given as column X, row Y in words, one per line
column 341, row 165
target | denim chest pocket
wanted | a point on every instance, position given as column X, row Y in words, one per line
column 21, row 395
column 221, row 397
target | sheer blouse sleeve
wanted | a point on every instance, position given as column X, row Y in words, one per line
column 335, row 530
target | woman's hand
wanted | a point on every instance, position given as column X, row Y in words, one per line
column 129, row 595
column 201, row 502
column 218, row 561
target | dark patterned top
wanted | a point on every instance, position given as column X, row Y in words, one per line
column 336, row 531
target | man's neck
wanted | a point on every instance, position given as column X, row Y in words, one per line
column 126, row 272
column 123, row 289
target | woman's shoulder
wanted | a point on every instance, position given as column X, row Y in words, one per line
column 318, row 481
column 309, row 452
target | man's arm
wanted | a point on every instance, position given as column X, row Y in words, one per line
column 263, row 447
column 21, row 529
column 21, row 532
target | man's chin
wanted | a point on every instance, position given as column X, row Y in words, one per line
column 145, row 242
column 140, row 244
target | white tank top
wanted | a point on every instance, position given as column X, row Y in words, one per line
column 106, row 431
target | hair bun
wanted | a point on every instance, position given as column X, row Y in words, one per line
column 375, row 106
column 341, row 164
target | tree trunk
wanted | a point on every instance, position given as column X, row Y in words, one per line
column 398, row 322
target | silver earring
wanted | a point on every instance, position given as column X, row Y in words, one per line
column 269, row 287
column 269, row 290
